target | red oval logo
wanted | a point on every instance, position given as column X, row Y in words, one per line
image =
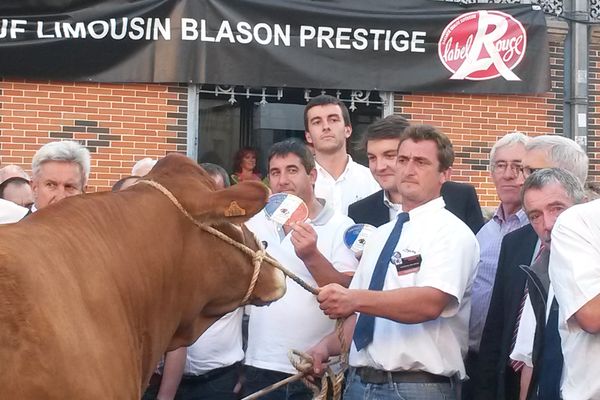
column 482, row 45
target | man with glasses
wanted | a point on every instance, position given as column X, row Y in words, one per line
column 497, row 377
column 506, row 159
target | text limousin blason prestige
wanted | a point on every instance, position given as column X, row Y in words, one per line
column 190, row 29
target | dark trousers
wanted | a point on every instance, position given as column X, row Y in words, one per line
column 471, row 365
column 152, row 389
column 257, row 379
column 218, row 387
column 217, row 384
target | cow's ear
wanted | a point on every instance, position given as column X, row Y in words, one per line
column 235, row 204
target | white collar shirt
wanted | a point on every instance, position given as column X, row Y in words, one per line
column 355, row 183
column 294, row 321
column 220, row 346
column 394, row 208
column 575, row 275
column 11, row 212
column 449, row 254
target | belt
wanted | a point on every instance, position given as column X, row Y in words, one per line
column 378, row 376
column 212, row 374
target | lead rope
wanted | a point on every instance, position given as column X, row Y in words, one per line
column 303, row 366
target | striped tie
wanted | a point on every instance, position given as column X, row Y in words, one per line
column 515, row 364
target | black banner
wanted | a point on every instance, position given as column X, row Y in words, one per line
column 395, row 45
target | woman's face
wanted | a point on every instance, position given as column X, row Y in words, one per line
column 248, row 161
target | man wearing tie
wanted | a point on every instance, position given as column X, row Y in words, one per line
column 411, row 332
column 545, row 195
column 498, row 378
column 380, row 141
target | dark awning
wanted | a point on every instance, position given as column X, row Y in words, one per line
column 394, row 45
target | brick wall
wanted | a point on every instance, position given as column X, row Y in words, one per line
column 594, row 112
column 475, row 122
column 118, row 123
column 121, row 123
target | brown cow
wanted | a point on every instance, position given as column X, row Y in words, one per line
column 95, row 288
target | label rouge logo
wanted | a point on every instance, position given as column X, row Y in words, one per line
column 483, row 45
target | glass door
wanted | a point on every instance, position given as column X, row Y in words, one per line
column 242, row 118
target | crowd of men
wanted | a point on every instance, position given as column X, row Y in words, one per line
column 440, row 305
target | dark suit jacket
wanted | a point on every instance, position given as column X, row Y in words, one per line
column 538, row 282
column 495, row 378
column 461, row 199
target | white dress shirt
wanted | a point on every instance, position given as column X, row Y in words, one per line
column 575, row 275
column 294, row 321
column 449, row 255
column 355, row 183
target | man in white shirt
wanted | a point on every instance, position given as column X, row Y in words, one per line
column 419, row 335
column 340, row 181
column 314, row 250
column 575, row 275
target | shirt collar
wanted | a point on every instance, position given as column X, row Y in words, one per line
column 427, row 208
column 501, row 218
column 324, row 215
column 322, row 170
column 389, row 204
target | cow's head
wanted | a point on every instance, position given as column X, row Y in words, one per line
column 229, row 269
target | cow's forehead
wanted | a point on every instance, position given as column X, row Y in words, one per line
column 177, row 165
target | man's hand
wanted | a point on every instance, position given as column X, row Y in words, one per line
column 319, row 355
column 304, row 240
column 336, row 301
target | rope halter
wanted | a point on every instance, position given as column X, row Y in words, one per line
column 257, row 256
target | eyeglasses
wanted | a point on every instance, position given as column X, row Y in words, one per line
column 528, row 171
column 502, row 166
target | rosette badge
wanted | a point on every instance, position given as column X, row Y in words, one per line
column 356, row 236
column 286, row 209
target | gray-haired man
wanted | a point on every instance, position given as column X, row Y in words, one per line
column 546, row 194
column 499, row 377
column 60, row 169
column 506, row 159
